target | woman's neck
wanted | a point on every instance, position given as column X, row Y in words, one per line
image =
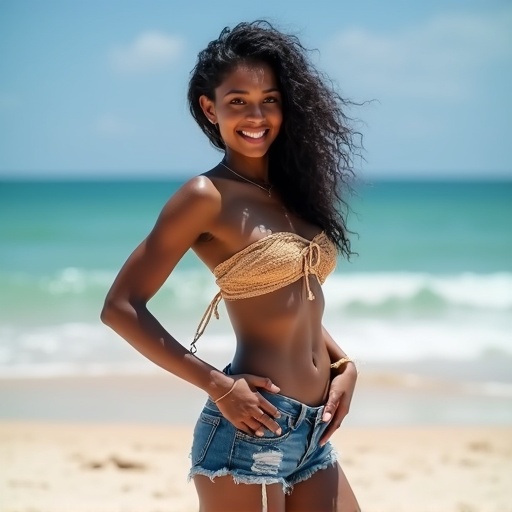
column 253, row 168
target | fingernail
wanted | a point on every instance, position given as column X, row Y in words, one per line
column 259, row 433
column 278, row 415
column 278, row 431
column 327, row 416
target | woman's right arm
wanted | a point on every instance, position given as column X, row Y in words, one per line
column 193, row 210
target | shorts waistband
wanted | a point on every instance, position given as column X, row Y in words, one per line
column 284, row 404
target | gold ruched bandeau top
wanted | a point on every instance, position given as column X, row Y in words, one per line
column 269, row 264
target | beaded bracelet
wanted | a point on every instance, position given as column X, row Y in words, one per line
column 341, row 361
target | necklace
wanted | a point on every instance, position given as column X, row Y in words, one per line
column 267, row 189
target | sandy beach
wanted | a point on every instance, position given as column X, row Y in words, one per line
column 129, row 468
column 109, row 444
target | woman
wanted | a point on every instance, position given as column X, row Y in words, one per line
column 266, row 222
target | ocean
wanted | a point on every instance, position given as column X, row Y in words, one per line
column 432, row 281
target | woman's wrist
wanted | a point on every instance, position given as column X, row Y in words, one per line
column 340, row 362
column 345, row 364
column 215, row 400
column 219, row 385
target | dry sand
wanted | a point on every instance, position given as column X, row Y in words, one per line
column 64, row 467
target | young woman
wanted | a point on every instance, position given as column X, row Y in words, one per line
column 266, row 221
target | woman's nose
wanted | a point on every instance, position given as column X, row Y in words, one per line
column 255, row 112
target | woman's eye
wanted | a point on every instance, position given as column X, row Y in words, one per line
column 237, row 101
column 270, row 100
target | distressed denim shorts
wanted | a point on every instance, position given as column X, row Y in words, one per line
column 220, row 449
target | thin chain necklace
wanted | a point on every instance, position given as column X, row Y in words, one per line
column 267, row 189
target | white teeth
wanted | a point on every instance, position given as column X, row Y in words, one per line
column 254, row 135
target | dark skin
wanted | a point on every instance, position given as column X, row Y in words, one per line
column 281, row 343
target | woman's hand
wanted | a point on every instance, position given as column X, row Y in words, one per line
column 338, row 404
column 246, row 409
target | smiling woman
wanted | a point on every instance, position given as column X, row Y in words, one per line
column 268, row 221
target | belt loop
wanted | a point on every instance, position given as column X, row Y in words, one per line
column 319, row 415
column 302, row 415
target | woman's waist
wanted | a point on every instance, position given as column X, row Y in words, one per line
column 277, row 315
column 280, row 332
column 286, row 405
column 303, row 377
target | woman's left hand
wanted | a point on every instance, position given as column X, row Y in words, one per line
column 338, row 404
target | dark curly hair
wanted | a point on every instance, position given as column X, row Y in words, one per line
column 311, row 160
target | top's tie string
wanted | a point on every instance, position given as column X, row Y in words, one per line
column 311, row 258
column 212, row 309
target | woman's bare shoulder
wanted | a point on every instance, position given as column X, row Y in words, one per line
column 200, row 187
column 196, row 194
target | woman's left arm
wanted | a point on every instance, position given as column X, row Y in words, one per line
column 343, row 382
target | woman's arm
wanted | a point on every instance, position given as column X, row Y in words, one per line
column 192, row 211
column 335, row 352
column 341, row 389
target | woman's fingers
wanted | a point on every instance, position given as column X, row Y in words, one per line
column 246, row 427
column 264, row 383
column 262, row 421
column 247, row 409
column 269, row 423
column 338, row 416
column 261, row 382
column 331, row 406
column 265, row 417
column 268, row 408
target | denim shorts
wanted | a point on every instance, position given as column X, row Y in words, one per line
column 220, row 449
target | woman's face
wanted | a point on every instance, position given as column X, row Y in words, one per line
column 247, row 108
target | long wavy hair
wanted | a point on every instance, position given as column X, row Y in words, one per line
column 311, row 160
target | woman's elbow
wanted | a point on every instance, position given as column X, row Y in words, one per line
column 117, row 311
column 109, row 312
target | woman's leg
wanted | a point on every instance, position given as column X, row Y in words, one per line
column 224, row 495
column 326, row 490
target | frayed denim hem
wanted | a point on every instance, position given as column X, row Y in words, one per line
column 333, row 460
column 240, row 479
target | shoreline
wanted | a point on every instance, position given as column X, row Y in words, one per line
column 380, row 399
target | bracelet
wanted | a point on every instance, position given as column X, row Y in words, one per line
column 226, row 394
column 339, row 362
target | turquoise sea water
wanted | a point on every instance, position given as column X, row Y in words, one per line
column 433, row 278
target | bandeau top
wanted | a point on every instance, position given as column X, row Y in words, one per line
column 269, row 264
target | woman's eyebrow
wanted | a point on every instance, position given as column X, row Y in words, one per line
column 241, row 91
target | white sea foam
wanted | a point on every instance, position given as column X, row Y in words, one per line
column 72, row 280
column 374, row 316
column 485, row 291
column 366, row 339
column 481, row 291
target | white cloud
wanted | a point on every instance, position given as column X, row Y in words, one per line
column 112, row 126
column 150, row 51
column 437, row 59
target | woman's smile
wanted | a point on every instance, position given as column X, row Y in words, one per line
column 254, row 137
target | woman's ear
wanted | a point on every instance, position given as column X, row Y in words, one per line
column 208, row 108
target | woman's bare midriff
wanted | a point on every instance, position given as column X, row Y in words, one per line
column 279, row 336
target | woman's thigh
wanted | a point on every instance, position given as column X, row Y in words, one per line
column 326, row 490
column 224, row 495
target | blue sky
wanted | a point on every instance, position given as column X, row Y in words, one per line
column 98, row 88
